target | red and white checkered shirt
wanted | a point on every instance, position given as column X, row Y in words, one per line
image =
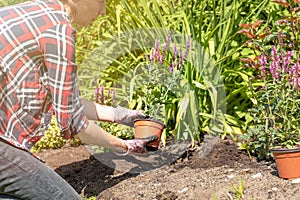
column 37, row 73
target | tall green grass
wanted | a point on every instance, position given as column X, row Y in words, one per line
column 218, row 97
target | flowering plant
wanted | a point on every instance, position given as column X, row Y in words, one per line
column 276, row 88
column 158, row 87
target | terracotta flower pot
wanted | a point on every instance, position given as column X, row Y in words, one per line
column 148, row 127
column 287, row 162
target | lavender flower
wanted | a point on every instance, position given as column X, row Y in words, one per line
column 102, row 97
column 275, row 66
column 294, row 75
column 180, row 57
column 113, row 96
column 286, row 60
column 152, row 56
column 188, row 46
column 263, row 62
column 157, row 53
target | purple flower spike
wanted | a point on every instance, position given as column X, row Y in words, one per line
column 275, row 66
column 157, row 53
column 274, row 53
column 273, row 69
column 188, row 46
column 102, row 97
column 286, row 60
column 97, row 95
column 294, row 74
column 263, row 62
column 152, row 56
column 180, row 57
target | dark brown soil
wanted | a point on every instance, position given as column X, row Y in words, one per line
column 225, row 173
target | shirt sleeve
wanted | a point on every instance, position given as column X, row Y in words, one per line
column 58, row 47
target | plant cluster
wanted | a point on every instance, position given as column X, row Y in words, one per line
column 107, row 96
column 107, row 99
column 276, row 87
column 213, row 24
column 52, row 139
column 160, row 91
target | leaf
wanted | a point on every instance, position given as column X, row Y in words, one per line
column 258, row 23
column 247, row 26
column 199, row 85
column 282, row 3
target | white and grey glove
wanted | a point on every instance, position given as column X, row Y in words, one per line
column 126, row 116
column 139, row 145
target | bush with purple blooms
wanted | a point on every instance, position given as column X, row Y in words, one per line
column 160, row 93
column 276, row 88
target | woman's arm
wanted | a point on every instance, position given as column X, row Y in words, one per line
column 120, row 115
column 97, row 112
column 95, row 135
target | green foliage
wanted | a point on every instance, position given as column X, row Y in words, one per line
column 213, row 25
column 275, row 90
column 51, row 139
column 90, row 198
column 238, row 191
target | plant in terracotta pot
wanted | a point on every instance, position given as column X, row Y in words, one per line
column 158, row 88
column 153, row 97
column 149, row 127
column 275, row 58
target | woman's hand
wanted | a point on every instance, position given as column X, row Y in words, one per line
column 139, row 145
column 126, row 116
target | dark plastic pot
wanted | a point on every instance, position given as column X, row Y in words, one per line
column 148, row 127
column 287, row 162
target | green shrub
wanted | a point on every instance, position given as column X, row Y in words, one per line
column 275, row 88
column 211, row 24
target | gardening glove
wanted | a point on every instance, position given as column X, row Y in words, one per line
column 139, row 145
column 126, row 116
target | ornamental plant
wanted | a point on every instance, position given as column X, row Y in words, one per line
column 159, row 89
column 276, row 86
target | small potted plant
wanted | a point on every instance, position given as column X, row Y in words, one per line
column 158, row 87
column 154, row 109
column 276, row 92
column 149, row 127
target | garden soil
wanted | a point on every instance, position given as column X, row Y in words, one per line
column 224, row 173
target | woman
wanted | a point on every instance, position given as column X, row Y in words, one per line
column 38, row 79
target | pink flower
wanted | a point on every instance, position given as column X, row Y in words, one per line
column 263, row 62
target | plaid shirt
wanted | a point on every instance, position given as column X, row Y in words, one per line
column 37, row 73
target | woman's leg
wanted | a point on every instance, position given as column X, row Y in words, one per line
column 25, row 177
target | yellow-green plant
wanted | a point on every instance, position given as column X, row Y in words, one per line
column 238, row 192
column 51, row 139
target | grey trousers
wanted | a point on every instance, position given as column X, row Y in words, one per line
column 23, row 176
